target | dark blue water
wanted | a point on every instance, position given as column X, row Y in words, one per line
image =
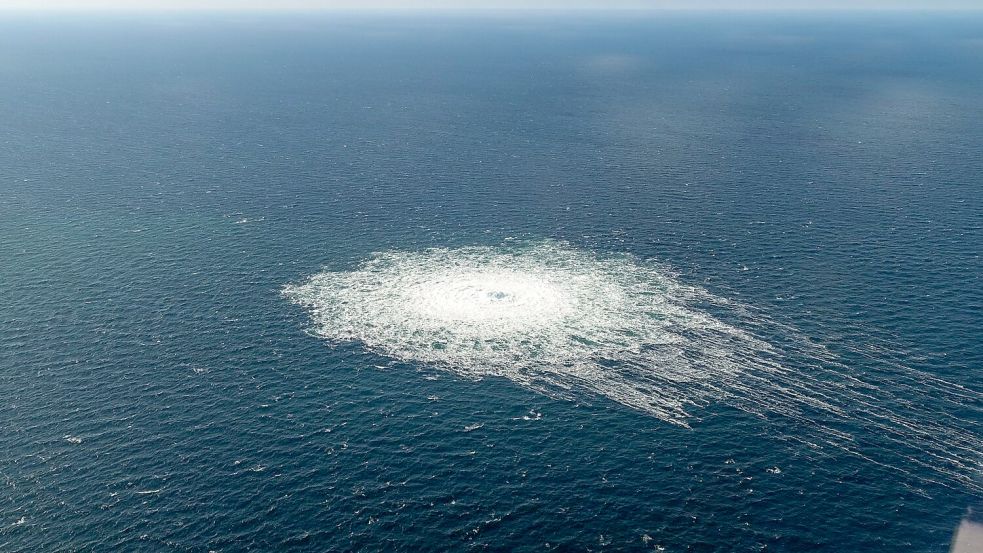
column 161, row 180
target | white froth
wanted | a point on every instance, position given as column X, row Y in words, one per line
column 571, row 324
column 547, row 316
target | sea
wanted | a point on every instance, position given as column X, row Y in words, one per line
column 490, row 281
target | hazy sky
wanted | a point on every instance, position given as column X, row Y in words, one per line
column 479, row 4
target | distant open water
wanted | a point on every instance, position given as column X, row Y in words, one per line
column 225, row 242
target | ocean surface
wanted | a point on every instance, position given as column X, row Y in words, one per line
column 682, row 283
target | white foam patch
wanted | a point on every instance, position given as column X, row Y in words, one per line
column 549, row 317
column 572, row 324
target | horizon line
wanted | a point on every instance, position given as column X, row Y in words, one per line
column 479, row 9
